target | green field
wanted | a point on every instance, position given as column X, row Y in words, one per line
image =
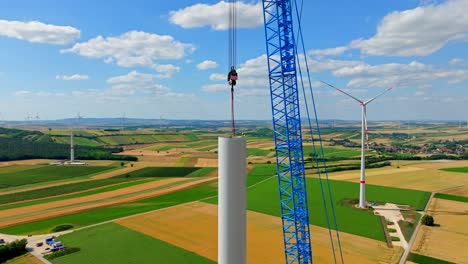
column 462, row 169
column 160, row 172
column 350, row 220
column 257, row 152
column 98, row 186
column 333, row 152
column 451, row 197
column 201, row 172
column 416, row 258
column 112, row 243
column 113, row 212
column 11, row 178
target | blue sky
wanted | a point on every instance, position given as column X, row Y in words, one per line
column 169, row 58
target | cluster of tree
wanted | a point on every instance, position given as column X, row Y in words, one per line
column 12, row 250
column 354, row 167
column 344, row 142
column 17, row 149
column 261, row 132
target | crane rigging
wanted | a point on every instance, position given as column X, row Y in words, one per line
column 283, row 67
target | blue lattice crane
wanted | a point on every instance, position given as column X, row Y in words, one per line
column 281, row 54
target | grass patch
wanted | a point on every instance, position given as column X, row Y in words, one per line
column 462, row 169
column 66, row 251
column 394, row 238
column 391, row 230
column 112, row 243
column 62, row 228
column 160, row 172
column 58, row 190
column 113, row 212
column 416, row 258
column 257, row 152
column 409, row 225
column 201, row 172
column 47, row 173
column 451, row 197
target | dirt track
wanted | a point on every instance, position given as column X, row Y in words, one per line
column 449, row 240
column 193, row 227
column 32, row 213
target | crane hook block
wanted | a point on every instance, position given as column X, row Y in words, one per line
column 232, row 77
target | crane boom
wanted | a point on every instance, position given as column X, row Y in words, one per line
column 281, row 55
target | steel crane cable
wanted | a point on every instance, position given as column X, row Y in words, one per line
column 232, row 53
column 300, row 36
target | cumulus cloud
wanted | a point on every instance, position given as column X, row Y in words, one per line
column 419, row 31
column 38, row 32
column 329, row 51
column 414, row 74
column 135, row 48
column 253, row 79
column 207, row 64
column 216, row 15
column 74, row 77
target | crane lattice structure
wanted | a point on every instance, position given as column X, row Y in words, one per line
column 281, row 55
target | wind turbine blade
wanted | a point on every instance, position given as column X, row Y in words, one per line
column 341, row 91
column 382, row 93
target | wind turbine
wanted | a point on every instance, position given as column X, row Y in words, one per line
column 364, row 138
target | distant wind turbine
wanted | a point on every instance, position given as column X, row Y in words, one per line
column 364, row 138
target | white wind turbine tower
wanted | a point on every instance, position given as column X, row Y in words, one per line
column 364, row 139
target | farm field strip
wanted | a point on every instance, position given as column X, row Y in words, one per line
column 45, row 175
column 447, row 241
column 85, row 202
column 87, row 191
column 419, row 176
column 103, row 175
column 264, row 236
column 46, row 213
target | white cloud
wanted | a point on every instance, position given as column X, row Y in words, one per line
column 218, row 77
column 419, row 31
column 22, row 93
column 249, row 15
column 207, row 64
column 74, row 77
column 456, row 61
column 253, row 79
column 37, row 32
column 135, row 48
column 329, row 51
column 413, row 74
column 26, row 93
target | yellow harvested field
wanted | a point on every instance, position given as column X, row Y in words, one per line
column 425, row 176
column 449, row 240
column 193, row 226
column 24, row 259
column 36, row 212
column 201, row 162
